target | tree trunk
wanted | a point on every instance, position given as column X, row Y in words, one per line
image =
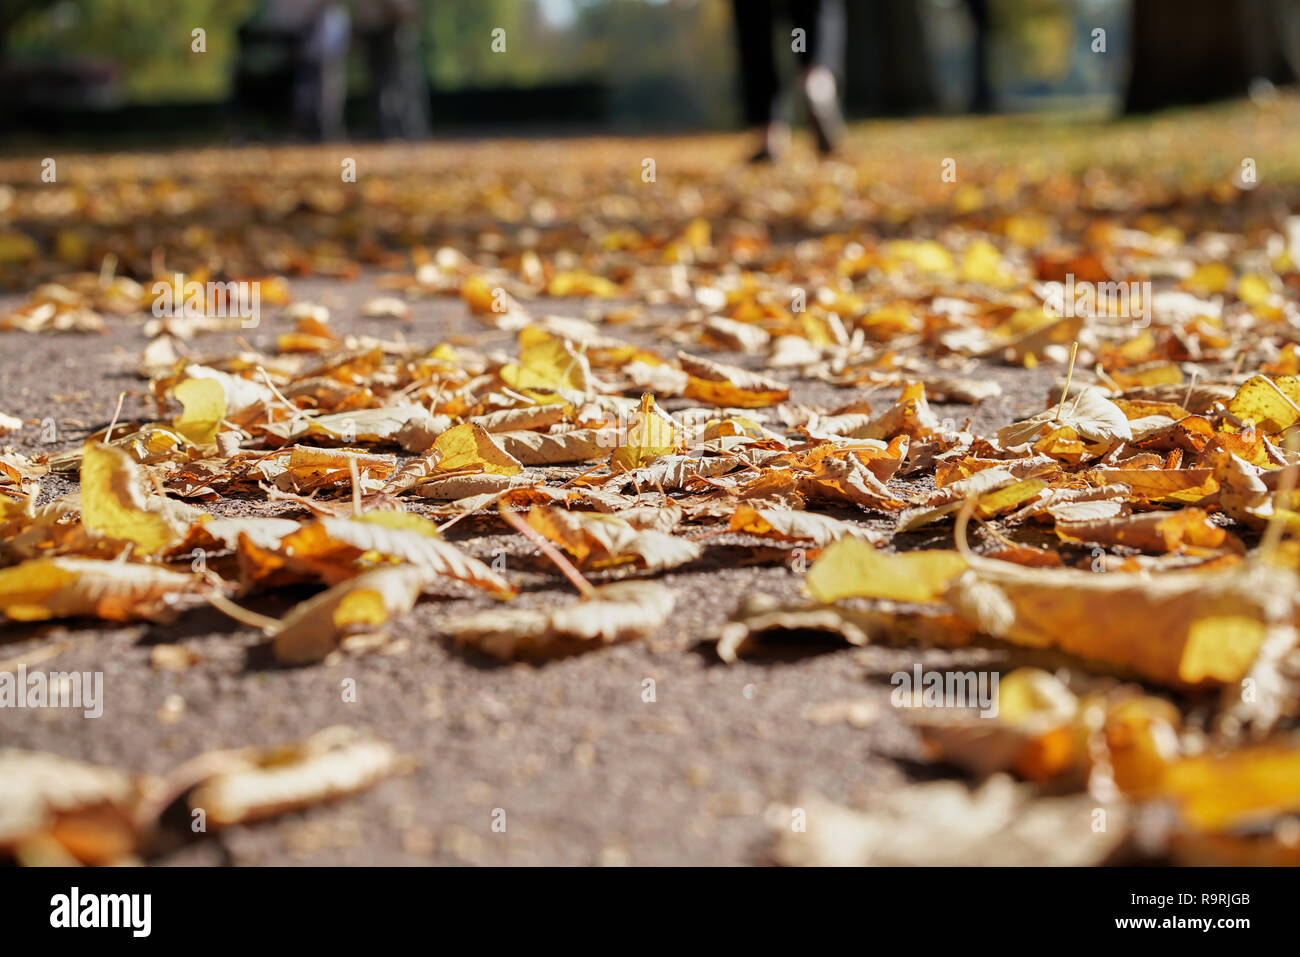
column 1192, row 51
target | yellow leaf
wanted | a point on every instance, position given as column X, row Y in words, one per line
column 852, row 568
column 1220, row 648
column 1254, row 290
column 1261, row 403
column 793, row 526
column 334, row 548
column 1221, row 792
column 1151, row 531
column 546, row 363
column 403, row 521
column 306, row 462
column 360, row 607
column 579, row 283
column 600, row 541
column 205, row 406
column 313, row 628
column 982, row 262
column 44, row 588
column 650, row 436
column 924, row 254
column 17, row 248
column 478, row 294
column 1181, row 629
column 1008, row 498
column 1208, row 279
column 469, row 447
column 1160, row 485
column 726, row 385
column 112, row 504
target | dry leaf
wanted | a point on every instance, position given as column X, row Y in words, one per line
column 312, row 629
column 43, row 588
column 328, row 765
column 1181, row 629
column 854, row 568
column 650, row 435
column 600, row 542
column 1088, row 412
column 86, row 809
column 113, row 503
column 943, row 824
column 724, row 385
column 558, row 448
column 792, row 526
column 622, row 611
column 332, row 548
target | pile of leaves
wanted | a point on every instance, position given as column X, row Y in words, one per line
column 1137, row 529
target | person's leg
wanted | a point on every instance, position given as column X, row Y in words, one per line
column 333, row 41
column 823, row 65
column 397, row 77
column 754, row 21
column 306, row 91
column 982, row 96
column 410, row 79
column 378, row 45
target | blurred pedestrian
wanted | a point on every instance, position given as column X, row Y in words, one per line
column 981, row 19
column 321, row 83
column 310, row 39
column 817, row 40
column 389, row 31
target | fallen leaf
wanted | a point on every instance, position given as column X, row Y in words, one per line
column 313, row 629
column 328, row 765
column 44, row 588
column 852, row 567
column 113, row 503
column 944, row 824
column 622, row 611
column 606, row 541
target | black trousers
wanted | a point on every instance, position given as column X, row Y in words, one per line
column 397, row 77
column 822, row 22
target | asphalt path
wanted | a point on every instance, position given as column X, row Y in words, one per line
column 586, row 770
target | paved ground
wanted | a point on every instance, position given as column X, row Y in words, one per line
column 586, row 771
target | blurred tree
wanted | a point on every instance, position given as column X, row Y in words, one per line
column 1189, row 51
column 459, row 50
column 151, row 49
column 15, row 10
column 667, row 64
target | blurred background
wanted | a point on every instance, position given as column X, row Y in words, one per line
column 126, row 71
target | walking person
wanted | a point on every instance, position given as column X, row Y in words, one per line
column 301, row 45
column 389, row 32
column 817, row 34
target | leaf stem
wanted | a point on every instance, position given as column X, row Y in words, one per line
column 242, row 615
column 1069, row 375
column 547, row 549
